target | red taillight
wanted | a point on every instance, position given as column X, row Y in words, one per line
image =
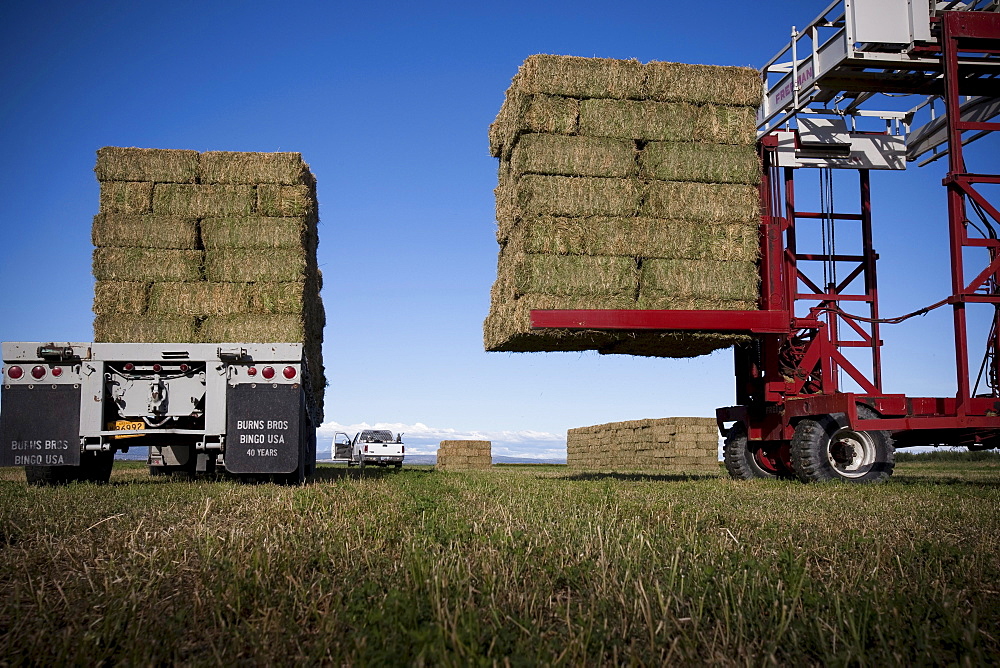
column 15, row 372
column 268, row 372
column 157, row 368
column 38, row 372
column 366, row 448
column 184, row 368
column 57, row 371
column 252, row 371
column 402, row 449
column 129, row 366
column 289, row 372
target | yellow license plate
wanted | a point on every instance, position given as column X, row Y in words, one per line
column 127, row 425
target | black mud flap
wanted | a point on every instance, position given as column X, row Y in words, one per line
column 40, row 425
column 263, row 428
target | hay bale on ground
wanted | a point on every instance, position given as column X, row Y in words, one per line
column 671, row 444
column 464, row 455
column 254, row 168
column 145, row 231
column 147, row 264
column 115, row 163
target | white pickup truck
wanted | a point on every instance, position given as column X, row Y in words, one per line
column 377, row 447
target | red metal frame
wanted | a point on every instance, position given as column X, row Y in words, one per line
column 792, row 367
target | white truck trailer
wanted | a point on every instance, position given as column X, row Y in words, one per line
column 240, row 409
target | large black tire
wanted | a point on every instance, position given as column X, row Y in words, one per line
column 825, row 448
column 752, row 460
column 96, row 467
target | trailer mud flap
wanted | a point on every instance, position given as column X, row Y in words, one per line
column 40, row 425
column 262, row 428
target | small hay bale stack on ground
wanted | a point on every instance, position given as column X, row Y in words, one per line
column 208, row 247
column 678, row 444
column 464, row 455
column 624, row 185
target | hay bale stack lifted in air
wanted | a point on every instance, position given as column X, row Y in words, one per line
column 624, row 185
column 208, row 247
column 676, row 444
column 464, row 455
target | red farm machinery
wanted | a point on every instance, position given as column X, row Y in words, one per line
column 795, row 416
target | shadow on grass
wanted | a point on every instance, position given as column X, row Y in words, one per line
column 328, row 473
column 641, row 477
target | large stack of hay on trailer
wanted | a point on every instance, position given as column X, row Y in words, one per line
column 669, row 444
column 624, row 185
column 208, row 247
column 464, row 455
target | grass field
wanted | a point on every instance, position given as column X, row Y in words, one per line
column 519, row 565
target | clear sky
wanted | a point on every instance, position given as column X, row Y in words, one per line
column 390, row 104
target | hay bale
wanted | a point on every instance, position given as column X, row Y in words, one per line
column 570, row 275
column 119, row 328
column 705, row 279
column 239, row 265
column 702, row 202
column 278, row 200
column 708, row 163
column 464, row 455
column 202, row 298
column 115, row 163
column 520, row 113
column 121, row 297
column 144, row 231
column 704, row 84
column 284, row 297
column 671, row 444
column 147, row 264
column 572, row 76
column 203, row 200
column 258, row 232
column 576, row 196
column 573, row 156
column 639, row 120
column 633, row 237
column 126, row 197
column 254, row 168
column 252, row 327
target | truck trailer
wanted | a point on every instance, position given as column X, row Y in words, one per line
column 235, row 409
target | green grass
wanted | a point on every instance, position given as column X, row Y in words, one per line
column 522, row 564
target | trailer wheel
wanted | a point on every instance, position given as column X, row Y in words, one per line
column 96, row 467
column 749, row 460
column 825, row 448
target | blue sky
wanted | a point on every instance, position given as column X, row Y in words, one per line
column 390, row 104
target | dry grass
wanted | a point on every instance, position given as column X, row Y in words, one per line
column 203, row 200
column 278, row 200
column 246, row 265
column 526, row 565
column 121, row 297
column 708, row 163
column 573, row 156
column 699, row 279
column 702, row 202
column 126, row 197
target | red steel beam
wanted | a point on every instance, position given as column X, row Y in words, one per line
column 756, row 322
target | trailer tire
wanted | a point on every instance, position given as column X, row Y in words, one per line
column 745, row 462
column 824, row 448
column 96, row 467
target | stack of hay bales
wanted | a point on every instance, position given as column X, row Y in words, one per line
column 208, row 247
column 624, row 186
column 668, row 444
column 464, row 455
